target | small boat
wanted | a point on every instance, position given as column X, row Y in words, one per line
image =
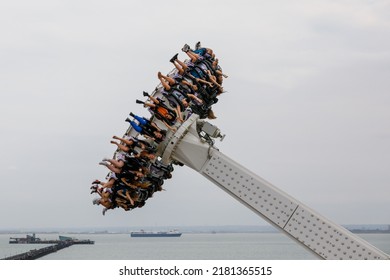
column 142, row 233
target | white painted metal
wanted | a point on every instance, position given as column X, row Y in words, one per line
column 322, row 237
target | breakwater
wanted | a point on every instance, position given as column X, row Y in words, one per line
column 57, row 244
column 38, row 253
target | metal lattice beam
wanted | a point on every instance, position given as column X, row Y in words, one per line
column 320, row 236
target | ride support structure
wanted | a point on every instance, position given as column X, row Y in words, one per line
column 193, row 145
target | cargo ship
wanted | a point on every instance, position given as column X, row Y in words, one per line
column 142, row 233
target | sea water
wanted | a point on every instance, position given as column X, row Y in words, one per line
column 190, row 246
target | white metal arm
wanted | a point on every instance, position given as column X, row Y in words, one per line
column 322, row 237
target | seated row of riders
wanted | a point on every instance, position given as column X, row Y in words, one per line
column 135, row 174
column 135, row 171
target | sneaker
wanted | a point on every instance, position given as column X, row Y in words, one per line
column 185, row 48
column 127, row 120
column 103, row 163
column 197, row 46
column 96, row 201
column 131, row 114
column 94, row 189
column 139, row 101
column 106, row 159
column 145, row 93
column 174, row 58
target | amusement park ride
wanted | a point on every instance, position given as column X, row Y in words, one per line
column 322, row 237
column 191, row 143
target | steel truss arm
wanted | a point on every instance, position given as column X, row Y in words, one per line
column 322, row 237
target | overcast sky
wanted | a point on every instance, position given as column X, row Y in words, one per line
column 306, row 108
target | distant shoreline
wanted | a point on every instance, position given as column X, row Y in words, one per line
column 369, row 231
column 357, row 229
